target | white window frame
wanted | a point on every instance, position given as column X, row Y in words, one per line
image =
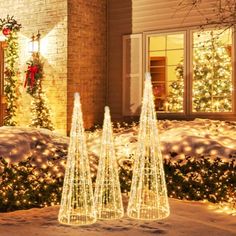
column 188, row 74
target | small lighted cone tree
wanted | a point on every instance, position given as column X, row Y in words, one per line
column 148, row 197
column 108, row 199
column 77, row 202
column 40, row 111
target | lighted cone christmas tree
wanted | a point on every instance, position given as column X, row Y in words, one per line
column 108, row 199
column 40, row 111
column 148, row 197
column 77, row 203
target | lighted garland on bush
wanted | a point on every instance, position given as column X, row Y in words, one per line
column 194, row 178
column 24, row 185
column 33, row 85
column 10, row 28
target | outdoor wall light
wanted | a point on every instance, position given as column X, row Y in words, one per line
column 34, row 44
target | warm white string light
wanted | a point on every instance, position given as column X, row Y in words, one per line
column 108, row 199
column 77, row 203
column 148, row 197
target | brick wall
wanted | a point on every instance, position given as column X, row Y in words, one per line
column 50, row 17
column 87, row 57
column 74, row 48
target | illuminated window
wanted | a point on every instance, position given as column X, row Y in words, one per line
column 166, row 65
column 192, row 80
column 212, row 71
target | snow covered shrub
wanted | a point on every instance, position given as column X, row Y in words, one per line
column 194, row 178
column 24, row 185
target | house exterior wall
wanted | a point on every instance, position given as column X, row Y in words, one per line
column 143, row 17
column 74, row 50
column 119, row 24
column 87, row 53
column 50, row 17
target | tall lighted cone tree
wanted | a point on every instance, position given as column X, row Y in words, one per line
column 77, row 203
column 148, row 197
column 108, row 199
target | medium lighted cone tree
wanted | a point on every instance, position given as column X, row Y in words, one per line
column 108, row 199
column 148, row 197
column 77, row 202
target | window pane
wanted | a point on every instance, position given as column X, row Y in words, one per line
column 174, row 56
column 175, row 89
column 212, row 71
column 175, row 41
column 157, row 43
column 167, row 70
column 158, row 54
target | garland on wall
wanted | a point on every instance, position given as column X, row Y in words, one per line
column 33, row 84
column 10, row 28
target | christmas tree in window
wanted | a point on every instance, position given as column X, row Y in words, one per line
column 176, row 90
column 212, row 78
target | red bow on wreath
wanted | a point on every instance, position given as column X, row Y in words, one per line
column 30, row 76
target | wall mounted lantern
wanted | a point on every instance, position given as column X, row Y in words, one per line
column 34, row 44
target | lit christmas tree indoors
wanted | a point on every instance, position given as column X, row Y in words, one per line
column 108, row 199
column 212, row 77
column 77, row 203
column 176, row 90
column 148, row 197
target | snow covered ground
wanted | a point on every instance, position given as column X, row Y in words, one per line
column 187, row 218
column 199, row 137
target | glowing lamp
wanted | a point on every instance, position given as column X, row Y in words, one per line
column 34, row 44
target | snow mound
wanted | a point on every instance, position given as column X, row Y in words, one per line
column 200, row 137
column 18, row 143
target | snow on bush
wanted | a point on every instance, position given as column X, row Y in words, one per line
column 199, row 158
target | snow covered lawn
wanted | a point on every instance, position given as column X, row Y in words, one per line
column 198, row 137
column 187, row 218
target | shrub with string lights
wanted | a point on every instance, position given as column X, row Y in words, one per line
column 25, row 185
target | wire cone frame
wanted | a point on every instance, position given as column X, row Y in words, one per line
column 108, row 199
column 148, row 197
column 77, row 203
